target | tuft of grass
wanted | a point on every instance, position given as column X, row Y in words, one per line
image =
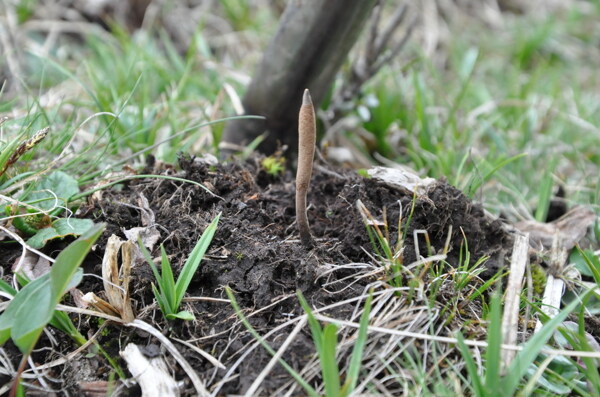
column 168, row 292
column 391, row 254
column 497, row 384
column 325, row 340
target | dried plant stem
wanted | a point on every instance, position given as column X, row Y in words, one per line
column 307, row 131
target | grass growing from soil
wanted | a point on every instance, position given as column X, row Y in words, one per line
column 507, row 112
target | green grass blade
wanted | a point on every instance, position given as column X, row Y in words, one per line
column 7, row 288
column 60, row 320
column 192, row 263
column 308, row 388
column 492, row 354
column 162, row 302
column 478, row 387
column 359, row 346
column 313, row 324
column 476, row 182
column 545, row 194
column 329, row 366
column 591, row 365
column 167, row 282
column 148, row 258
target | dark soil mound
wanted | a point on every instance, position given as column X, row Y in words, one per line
column 257, row 253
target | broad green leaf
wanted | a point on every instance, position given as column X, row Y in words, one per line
column 27, row 314
column 30, row 310
column 4, row 332
column 57, row 185
column 33, row 307
column 60, row 320
column 192, row 263
column 69, row 260
column 60, row 228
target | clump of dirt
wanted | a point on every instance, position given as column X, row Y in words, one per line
column 257, row 253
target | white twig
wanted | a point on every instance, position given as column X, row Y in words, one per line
column 151, row 374
column 510, row 317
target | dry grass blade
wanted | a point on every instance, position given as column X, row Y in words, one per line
column 191, row 373
column 116, row 280
column 570, row 228
column 510, row 317
column 261, row 377
column 201, row 352
column 555, row 286
column 453, row 341
column 72, row 355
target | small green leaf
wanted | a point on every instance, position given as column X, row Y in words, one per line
column 60, row 228
column 182, row 315
column 68, row 261
column 7, row 288
column 586, row 262
column 54, row 190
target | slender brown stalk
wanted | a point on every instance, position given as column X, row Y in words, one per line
column 307, row 133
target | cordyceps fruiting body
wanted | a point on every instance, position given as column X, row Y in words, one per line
column 307, row 132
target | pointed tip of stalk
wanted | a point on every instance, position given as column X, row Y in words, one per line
column 306, row 99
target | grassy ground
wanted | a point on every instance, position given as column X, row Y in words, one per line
column 506, row 110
